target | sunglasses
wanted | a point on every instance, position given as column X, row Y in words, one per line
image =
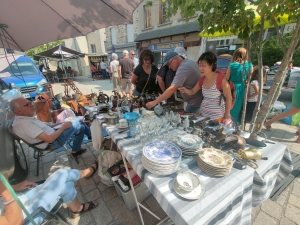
column 132, row 54
column 147, row 59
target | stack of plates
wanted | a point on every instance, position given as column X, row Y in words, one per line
column 214, row 162
column 189, row 144
column 161, row 158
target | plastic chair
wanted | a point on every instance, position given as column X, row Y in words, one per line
column 53, row 214
column 38, row 153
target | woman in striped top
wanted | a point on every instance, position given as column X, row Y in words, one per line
column 213, row 105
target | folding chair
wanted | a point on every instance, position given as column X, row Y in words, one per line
column 59, row 75
column 51, row 77
column 38, row 153
column 53, row 214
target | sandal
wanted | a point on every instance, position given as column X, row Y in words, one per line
column 94, row 170
column 269, row 128
column 92, row 205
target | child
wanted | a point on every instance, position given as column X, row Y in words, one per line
column 253, row 93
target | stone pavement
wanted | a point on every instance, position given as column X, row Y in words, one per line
column 285, row 210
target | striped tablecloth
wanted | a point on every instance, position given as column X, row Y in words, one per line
column 227, row 200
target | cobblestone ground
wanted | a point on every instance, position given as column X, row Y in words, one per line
column 285, row 210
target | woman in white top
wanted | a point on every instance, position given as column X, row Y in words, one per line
column 253, row 93
column 114, row 71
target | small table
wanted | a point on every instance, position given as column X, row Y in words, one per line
column 227, row 200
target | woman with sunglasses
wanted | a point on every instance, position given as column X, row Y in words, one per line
column 144, row 75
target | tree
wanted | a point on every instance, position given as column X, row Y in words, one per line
column 41, row 48
column 236, row 17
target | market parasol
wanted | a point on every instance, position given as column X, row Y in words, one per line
column 26, row 24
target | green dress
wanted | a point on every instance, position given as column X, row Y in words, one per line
column 237, row 75
column 296, row 96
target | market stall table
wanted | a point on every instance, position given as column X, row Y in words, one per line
column 227, row 200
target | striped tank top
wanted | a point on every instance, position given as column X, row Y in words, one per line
column 210, row 106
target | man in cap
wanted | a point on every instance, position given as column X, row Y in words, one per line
column 165, row 76
column 125, row 69
column 187, row 75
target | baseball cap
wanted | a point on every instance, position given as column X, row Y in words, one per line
column 125, row 52
column 168, row 56
column 181, row 51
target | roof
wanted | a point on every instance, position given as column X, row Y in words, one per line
column 169, row 31
column 55, row 53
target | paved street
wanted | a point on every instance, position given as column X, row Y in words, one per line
column 285, row 210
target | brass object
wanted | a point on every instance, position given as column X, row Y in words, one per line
column 251, row 153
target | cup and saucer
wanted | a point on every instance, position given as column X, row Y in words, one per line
column 188, row 186
column 122, row 124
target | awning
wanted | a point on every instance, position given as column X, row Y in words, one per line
column 170, row 31
column 65, row 53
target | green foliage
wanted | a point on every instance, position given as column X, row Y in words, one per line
column 233, row 15
column 31, row 52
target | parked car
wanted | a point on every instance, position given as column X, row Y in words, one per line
column 294, row 78
column 25, row 76
column 223, row 63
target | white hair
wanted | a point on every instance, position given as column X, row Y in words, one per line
column 114, row 56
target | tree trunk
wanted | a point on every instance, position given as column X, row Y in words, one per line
column 278, row 80
column 260, row 75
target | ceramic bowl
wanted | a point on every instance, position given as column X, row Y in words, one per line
column 187, row 181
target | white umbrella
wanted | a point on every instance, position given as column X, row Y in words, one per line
column 30, row 23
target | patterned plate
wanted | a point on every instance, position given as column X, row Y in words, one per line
column 162, row 152
column 215, row 158
column 189, row 141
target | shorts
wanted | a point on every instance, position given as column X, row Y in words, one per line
column 127, row 82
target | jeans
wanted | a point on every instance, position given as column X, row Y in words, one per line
column 78, row 129
column 103, row 71
column 59, row 185
column 192, row 109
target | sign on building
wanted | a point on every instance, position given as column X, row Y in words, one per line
column 165, row 46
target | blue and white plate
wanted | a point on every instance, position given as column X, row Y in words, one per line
column 162, row 152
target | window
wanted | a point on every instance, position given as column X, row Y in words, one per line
column 93, row 48
column 113, row 36
column 21, row 68
column 224, row 42
column 130, row 33
column 147, row 13
column 163, row 12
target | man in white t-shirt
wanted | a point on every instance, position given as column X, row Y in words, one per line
column 33, row 131
column 114, row 72
column 133, row 58
column 103, row 69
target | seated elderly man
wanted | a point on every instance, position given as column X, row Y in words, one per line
column 32, row 130
column 59, row 185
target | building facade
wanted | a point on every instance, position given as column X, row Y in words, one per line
column 160, row 34
column 120, row 38
column 93, row 46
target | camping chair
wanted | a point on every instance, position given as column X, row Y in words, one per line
column 38, row 153
column 59, row 76
column 50, row 77
column 53, row 214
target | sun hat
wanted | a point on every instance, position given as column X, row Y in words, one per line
column 125, row 52
column 168, row 56
column 181, row 51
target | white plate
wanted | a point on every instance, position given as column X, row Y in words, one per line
column 121, row 127
column 191, row 195
column 162, row 152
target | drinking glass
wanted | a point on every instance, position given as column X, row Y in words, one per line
column 189, row 130
column 134, row 132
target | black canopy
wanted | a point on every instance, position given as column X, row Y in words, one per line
column 59, row 52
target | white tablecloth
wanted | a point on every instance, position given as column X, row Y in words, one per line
column 227, row 200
